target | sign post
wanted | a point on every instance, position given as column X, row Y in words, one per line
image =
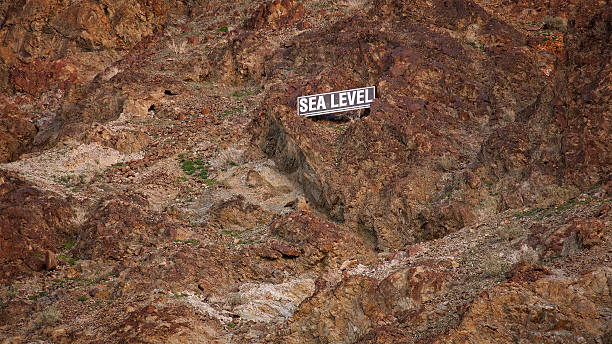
column 338, row 101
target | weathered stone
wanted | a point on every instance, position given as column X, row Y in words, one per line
column 276, row 14
column 16, row 134
column 550, row 309
column 50, row 260
column 287, row 249
column 344, row 312
column 31, row 221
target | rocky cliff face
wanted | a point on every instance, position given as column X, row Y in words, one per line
column 156, row 184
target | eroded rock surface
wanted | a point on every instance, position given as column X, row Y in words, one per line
column 547, row 310
column 33, row 222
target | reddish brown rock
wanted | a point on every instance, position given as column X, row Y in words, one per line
column 472, row 180
column 39, row 76
column 558, row 141
column 317, row 240
column 478, row 109
column 568, row 238
column 16, row 134
column 590, row 231
column 550, row 309
column 525, row 272
column 47, row 31
column 287, row 250
column 119, row 225
column 392, row 175
column 276, row 14
column 237, row 212
column 32, row 222
column 268, row 253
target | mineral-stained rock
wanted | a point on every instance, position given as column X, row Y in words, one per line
column 550, row 310
column 32, row 221
column 568, row 238
column 344, row 312
column 120, row 223
column 171, row 324
column 39, row 76
column 44, row 32
column 270, row 302
column 276, row 14
column 560, row 140
column 16, row 134
column 317, row 241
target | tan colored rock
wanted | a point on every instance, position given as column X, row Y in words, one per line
column 590, row 231
column 344, row 312
column 137, row 108
column 273, row 302
column 50, row 260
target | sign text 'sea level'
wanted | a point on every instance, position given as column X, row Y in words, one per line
column 339, row 101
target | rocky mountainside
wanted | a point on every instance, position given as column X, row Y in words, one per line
column 157, row 185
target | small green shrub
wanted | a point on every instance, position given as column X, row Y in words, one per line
column 195, row 168
column 47, row 317
column 224, row 114
column 240, row 95
column 188, row 167
column 232, row 233
column 477, row 45
column 188, row 241
column 494, row 266
column 527, row 213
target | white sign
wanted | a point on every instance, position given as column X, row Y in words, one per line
column 339, row 101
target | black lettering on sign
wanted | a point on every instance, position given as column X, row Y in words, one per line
column 339, row 101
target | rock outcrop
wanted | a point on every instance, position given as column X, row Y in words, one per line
column 398, row 172
column 551, row 309
column 32, row 223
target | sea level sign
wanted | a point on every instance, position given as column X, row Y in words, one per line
column 339, row 101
